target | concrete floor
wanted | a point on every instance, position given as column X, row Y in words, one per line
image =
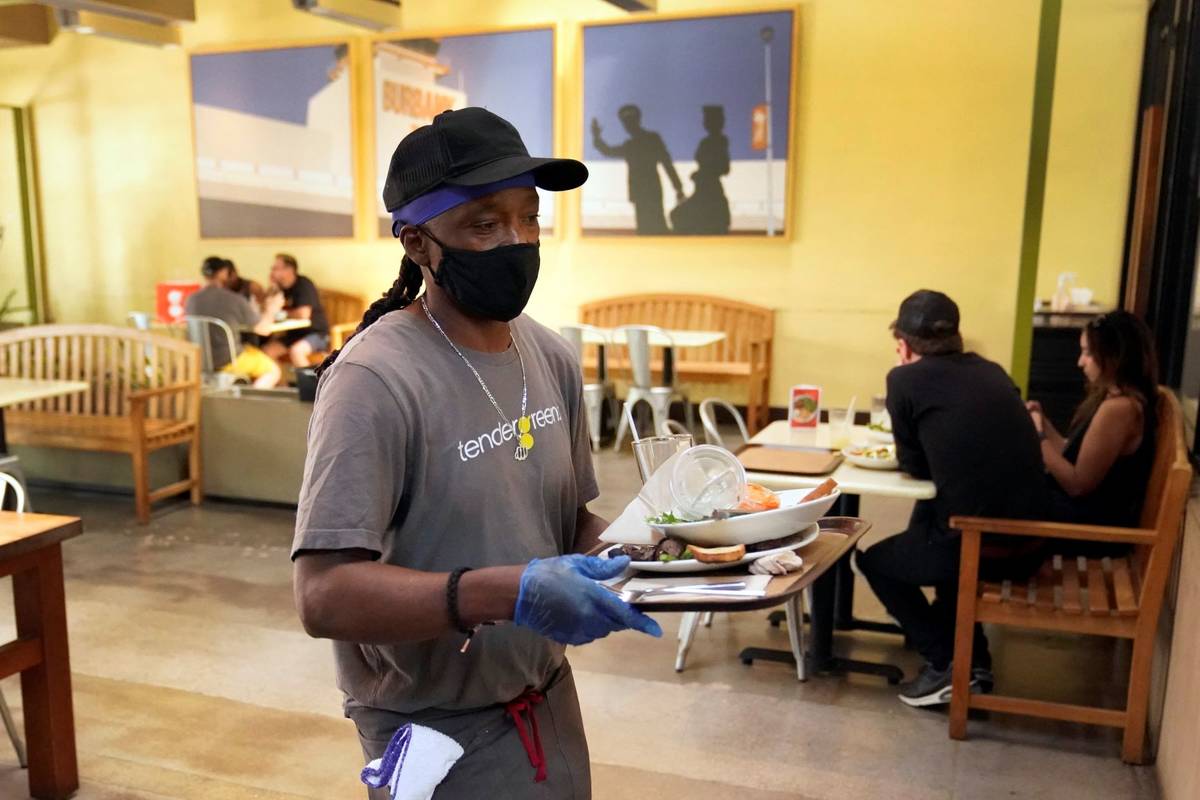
column 193, row 679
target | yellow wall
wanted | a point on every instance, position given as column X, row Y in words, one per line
column 909, row 170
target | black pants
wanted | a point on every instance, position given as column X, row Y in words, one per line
column 898, row 567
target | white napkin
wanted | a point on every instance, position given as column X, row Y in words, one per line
column 414, row 763
column 778, row 564
column 654, row 498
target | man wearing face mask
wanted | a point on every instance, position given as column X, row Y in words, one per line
column 444, row 503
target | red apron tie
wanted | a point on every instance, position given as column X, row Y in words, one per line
column 533, row 748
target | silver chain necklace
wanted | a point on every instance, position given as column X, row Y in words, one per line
column 524, row 428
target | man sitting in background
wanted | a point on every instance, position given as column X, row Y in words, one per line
column 250, row 289
column 958, row 421
column 215, row 300
column 301, row 302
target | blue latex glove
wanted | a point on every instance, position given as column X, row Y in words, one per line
column 560, row 599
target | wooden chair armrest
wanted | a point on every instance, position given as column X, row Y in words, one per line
column 142, row 395
column 1054, row 530
column 339, row 333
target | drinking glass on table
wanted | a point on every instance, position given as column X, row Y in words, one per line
column 879, row 412
column 839, row 429
column 652, row 452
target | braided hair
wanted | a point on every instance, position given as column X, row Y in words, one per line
column 401, row 295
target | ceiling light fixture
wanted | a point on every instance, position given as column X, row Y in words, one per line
column 375, row 15
column 119, row 28
column 636, row 5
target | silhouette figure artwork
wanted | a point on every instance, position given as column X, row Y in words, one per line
column 707, row 210
column 643, row 152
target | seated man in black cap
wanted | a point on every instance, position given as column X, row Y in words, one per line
column 958, row 421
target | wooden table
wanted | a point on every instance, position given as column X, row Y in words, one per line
column 837, row 539
column 854, row 482
column 31, row 552
column 285, row 325
column 669, row 340
column 14, row 391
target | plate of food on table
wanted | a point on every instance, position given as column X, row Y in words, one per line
column 873, row 456
column 880, row 432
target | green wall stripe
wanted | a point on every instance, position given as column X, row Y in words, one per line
column 1035, row 187
column 23, row 161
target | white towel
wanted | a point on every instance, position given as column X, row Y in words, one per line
column 414, row 763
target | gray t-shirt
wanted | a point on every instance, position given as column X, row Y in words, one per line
column 229, row 307
column 408, row 459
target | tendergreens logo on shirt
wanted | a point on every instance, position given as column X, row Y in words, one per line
column 506, row 432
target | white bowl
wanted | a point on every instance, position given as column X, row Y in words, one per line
column 853, row 455
column 790, row 517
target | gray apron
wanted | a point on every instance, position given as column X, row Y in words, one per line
column 503, row 745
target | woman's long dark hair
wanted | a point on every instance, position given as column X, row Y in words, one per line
column 402, row 294
column 1123, row 348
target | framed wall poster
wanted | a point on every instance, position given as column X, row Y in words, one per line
column 686, row 125
column 274, row 142
column 510, row 72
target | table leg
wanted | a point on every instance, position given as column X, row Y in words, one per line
column 3, row 435
column 668, row 366
column 601, row 365
column 821, row 658
column 848, row 506
column 795, row 610
column 46, row 689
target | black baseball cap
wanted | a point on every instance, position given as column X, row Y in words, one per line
column 470, row 147
column 927, row 314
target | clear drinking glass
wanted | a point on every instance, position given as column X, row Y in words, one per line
column 652, row 451
column 879, row 410
column 839, row 429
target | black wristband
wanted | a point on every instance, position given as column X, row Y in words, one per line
column 452, row 600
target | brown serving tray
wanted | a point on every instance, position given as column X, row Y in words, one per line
column 788, row 461
column 838, row 536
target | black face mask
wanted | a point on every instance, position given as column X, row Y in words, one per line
column 494, row 284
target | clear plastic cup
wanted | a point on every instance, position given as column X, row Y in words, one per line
column 653, row 451
column 839, row 429
column 707, row 478
column 879, row 412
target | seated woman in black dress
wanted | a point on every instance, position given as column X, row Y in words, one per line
column 1099, row 471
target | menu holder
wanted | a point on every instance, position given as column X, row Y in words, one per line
column 788, row 461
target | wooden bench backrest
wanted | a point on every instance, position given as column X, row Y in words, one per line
column 341, row 307
column 1166, row 497
column 742, row 323
column 113, row 360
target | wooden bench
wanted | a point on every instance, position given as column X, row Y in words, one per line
column 1119, row 597
column 144, row 396
column 343, row 311
column 744, row 356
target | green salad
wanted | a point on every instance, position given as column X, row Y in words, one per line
column 665, row 518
